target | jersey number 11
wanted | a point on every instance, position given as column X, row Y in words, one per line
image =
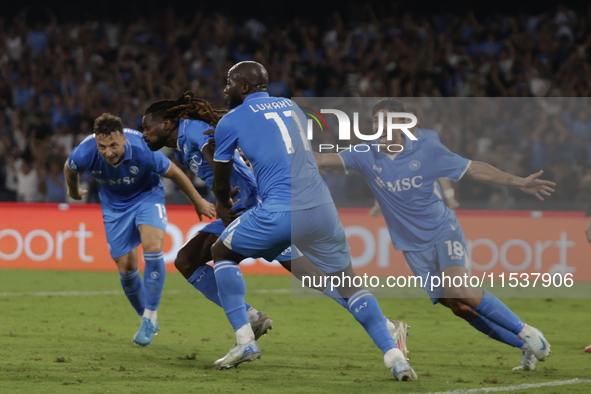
column 285, row 132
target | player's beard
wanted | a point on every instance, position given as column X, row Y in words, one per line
column 156, row 145
column 234, row 100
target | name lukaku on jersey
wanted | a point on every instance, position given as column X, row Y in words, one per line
column 121, row 181
column 270, row 106
column 400, row 184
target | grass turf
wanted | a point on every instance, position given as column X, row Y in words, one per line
column 83, row 343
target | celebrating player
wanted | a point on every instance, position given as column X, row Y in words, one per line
column 132, row 202
column 296, row 206
column 443, row 187
column 184, row 124
column 165, row 124
column 428, row 232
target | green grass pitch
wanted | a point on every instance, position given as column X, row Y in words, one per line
column 54, row 343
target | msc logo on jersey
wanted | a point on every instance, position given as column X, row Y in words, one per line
column 414, row 165
column 134, row 170
column 400, row 184
column 126, row 181
column 194, row 164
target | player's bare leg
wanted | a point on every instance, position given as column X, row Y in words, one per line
column 191, row 261
column 195, row 253
column 494, row 318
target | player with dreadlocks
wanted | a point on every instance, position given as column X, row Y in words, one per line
column 181, row 124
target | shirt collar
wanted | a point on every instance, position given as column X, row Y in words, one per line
column 255, row 96
column 181, row 133
column 408, row 143
column 128, row 152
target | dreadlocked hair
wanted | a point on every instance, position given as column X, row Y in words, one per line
column 186, row 106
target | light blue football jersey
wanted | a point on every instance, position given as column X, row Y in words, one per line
column 134, row 178
column 432, row 134
column 404, row 187
column 190, row 142
column 275, row 144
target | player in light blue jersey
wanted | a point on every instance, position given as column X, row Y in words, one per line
column 180, row 124
column 165, row 123
column 132, row 202
column 428, row 232
column 296, row 208
column 442, row 187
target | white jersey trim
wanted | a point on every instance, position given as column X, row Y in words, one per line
column 465, row 169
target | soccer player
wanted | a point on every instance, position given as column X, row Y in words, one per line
column 296, row 206
column 185, row 124
column 132, row 202
column 443, row 188
column 180, row 124
column 428, row 232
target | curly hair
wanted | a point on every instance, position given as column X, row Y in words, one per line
column 107, row 123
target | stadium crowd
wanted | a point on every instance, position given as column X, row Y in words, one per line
column 57, row 77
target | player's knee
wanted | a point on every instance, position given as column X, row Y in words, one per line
column 182, row 262
column 460, row 292
column 125, row 264
column 218, row 250
column 463, row 311
column 152, row 246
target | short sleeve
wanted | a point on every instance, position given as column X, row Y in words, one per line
column 78, row 160
column 447, row 164
column 225, row 141
column 194, row 133
column 160, row 163
column 350, row 159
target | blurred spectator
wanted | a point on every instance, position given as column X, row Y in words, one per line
column 53, row 182
column 56, row 76
column 27, row 183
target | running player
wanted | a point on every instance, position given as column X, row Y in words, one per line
column 165, row 123
column 296, row 206
column 443, row 187
column 132, row 202
column 428, row 232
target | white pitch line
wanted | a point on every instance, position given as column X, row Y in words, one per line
column 518, row 387
column 118, row 292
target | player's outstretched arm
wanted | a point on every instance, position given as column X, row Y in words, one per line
column 588, row 232
column 329, row 161
column 532, row 184
column 202, row 207
column 72, row 182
